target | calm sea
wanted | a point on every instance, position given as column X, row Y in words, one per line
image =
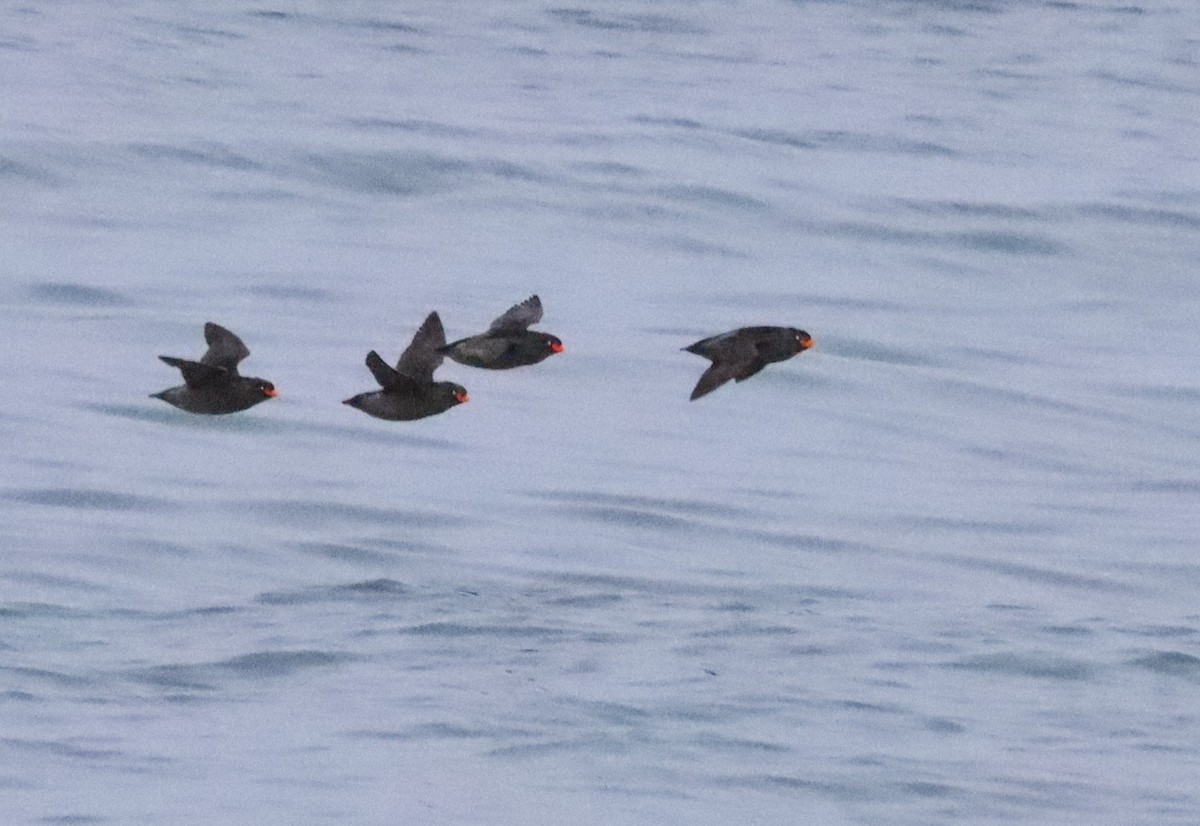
column 942, row 568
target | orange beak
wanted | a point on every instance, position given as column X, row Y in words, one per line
column 557, row 348
column 462, row 398
column 270, row 394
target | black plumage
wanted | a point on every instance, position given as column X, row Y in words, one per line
column 212, row 386
column 409, row 391
column 741, row 353
column 508, row 342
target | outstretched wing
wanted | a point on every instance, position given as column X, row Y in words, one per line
column 383, row 372
column 422, row 357
column 716, row 375
column 733, row 357
column 197, row 374
column 519, row 316
column 750, row 369
column 722, row 371
column 225, row 349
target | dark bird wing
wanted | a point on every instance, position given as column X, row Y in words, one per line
column 225, row 349
column 750, row 369
column 422, row 357
column 716, row 375
column 384, row 373
column 733, row 358
column 519, row 316
column 197, row 374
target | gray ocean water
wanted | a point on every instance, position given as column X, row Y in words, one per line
column 940, row 569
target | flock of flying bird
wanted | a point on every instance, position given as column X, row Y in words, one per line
column 213, row 386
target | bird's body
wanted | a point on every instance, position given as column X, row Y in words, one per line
column 408, row 389
column 741, row 353
column 212, row 386
column 508, row 342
